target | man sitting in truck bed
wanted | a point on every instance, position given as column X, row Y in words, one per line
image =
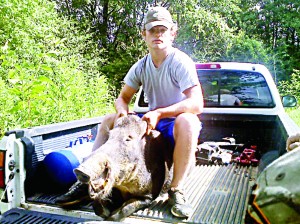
column 170, row 81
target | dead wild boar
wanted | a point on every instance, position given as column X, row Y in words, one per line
column 128, row 171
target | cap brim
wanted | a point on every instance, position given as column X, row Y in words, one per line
column 150, row 25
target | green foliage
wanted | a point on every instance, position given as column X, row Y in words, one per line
column 228, row 10
column 294, row 113
column 49, row 68
column 202, row 34
column 276, row 24
column 208, row 33
column 209, row 30
column 292, row 86
column 245, row 49
column 115, row 25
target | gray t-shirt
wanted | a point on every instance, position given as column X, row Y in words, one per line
column 163, row 86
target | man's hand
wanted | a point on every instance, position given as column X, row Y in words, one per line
column 293, row 142
column 152, row 118
column 123, row 100
column 122, row 113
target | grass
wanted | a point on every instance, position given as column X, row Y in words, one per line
column 294, row 113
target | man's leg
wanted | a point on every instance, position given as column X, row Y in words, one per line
column 106, row 125
column 79, row 191
column 186, row 131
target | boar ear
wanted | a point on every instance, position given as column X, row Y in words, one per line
column 81, row 175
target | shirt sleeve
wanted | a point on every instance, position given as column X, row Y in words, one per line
column 186, row 73
column 133, row 77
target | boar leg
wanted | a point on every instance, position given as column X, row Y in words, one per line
column 100, row 208
column 129, row 207
column 103, row 208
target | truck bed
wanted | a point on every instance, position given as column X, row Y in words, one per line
column 218, row 193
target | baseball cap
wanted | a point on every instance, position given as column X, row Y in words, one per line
column 158, row 16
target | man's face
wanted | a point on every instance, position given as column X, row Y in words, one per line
column 158, row 37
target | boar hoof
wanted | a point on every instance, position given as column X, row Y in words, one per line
column 128, row 208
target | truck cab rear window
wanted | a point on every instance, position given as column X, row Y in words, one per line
column 229, row 88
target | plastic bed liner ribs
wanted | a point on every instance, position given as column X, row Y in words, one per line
column 218, row 194
column 21, row 216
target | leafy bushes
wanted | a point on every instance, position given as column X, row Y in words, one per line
column 291, row 87
column 49, row 68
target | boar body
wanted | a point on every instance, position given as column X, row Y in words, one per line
column 127, row 172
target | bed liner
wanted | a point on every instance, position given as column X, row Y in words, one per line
column 219, row 194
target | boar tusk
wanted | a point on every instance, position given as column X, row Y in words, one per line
column 107, row 176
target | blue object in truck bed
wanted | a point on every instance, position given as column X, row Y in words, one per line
column 60, row 165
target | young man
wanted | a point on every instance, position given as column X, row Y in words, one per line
column 170, row 81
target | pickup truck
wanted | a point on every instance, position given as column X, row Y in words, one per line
column 243, row 110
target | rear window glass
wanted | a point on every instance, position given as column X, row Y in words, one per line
column 227, row 88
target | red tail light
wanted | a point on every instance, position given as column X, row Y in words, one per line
column 208, row 66
column 2, row 174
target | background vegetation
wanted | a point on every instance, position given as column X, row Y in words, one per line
column 66, row 59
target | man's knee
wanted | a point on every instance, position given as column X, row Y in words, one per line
column 187, row 123
column 106, row 125
column 108, row 121
column 188, row 120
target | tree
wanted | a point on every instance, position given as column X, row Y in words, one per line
column 245, row 49
column 292, row 86
column 115, row 26
column 202, row 34
column 277, row 24
column 208, row 32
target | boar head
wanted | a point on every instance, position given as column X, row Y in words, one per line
column 116, row 161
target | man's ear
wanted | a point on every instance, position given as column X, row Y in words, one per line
column 143, row 34
column 173, row 34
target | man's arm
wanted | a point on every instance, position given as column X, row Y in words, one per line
column 123, row 100
column 121, row 106
column 192, row 104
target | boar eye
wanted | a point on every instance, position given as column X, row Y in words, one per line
column 129, row 138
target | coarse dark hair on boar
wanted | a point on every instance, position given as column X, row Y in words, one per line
column 128, row 171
